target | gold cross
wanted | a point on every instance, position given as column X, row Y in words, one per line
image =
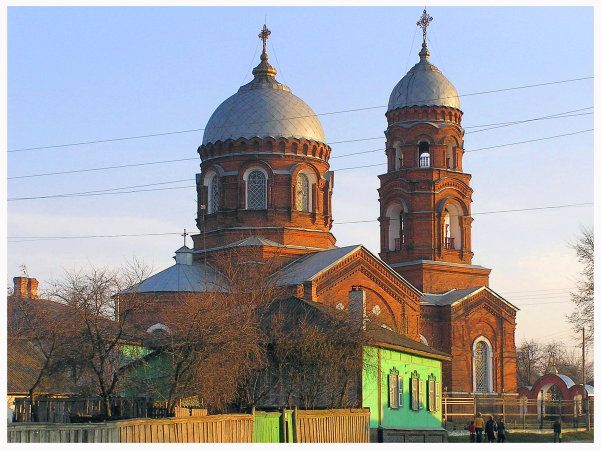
column 184, row 235
column 423, row 23
column 264, row 35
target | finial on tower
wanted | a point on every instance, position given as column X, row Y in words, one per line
column 264, row 68
column 185, row 234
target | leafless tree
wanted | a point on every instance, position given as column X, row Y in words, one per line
column 529, row 356
column 583, row 298
column 95, row 337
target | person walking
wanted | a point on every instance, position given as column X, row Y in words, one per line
column 501, row 431
column 490, row 429
column 472, row 429
column 479, row 426
column 557, row 430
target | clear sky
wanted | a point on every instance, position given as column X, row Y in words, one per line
column 81, row 74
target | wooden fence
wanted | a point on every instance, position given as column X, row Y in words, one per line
column 66, row 410
column 288, row 426
column 59, row 432
column 227, row 428
column 331, row 425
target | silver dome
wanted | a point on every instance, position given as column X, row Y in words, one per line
column 263, row 108
column 424, row 85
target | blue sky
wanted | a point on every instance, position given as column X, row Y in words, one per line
column 79, row 74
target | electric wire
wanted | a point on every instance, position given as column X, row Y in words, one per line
column 98, row 141
column 80, row 237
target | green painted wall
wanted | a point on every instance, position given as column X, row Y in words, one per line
column 405, row 364
column 151, row 377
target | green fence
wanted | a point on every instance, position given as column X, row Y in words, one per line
column 273, row 427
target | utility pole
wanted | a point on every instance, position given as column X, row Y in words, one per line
column 588, row 404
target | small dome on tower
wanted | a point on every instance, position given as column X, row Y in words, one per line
column 424, row 85
column 263, row 108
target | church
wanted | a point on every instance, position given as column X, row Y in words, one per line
column 265, row 185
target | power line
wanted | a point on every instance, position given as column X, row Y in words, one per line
column 530, row 140
column 573, row 205
column 87, row 193
column 98, row 141
column 96, row 236
column 158, row 234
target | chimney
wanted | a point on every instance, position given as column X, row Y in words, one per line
column 356, row 305
column 26, row 287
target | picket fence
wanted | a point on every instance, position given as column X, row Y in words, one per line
column 286, row 426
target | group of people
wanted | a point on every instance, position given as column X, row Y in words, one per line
column 494, row 431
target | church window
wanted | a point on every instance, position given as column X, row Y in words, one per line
column 450, row 156
column 451, row 227
column 424, row 154
column 482, row 354
column 256, row 190
column 214, row 195
column 396, row 227
column 302, row 192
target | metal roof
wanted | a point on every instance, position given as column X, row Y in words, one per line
column 424, row 85
column 263, row 108
column 195, row 277
column 449, row 297
column 308, row 266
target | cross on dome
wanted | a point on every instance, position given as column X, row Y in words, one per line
column 423, row 23
column 264, row 35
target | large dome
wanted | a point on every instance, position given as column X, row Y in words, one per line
column 263, row 108
column 424, row 85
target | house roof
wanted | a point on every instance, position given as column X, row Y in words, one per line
column 376, row 334
column 458, row 295
column 24, row 362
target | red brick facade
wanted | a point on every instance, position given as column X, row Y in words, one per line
column 425, row 232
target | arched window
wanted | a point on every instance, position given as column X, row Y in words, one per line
column 482, row 365
column 424, row 154
column 451, row 227
column 396, row 227
column 256, row 190
column 302, row 192
column 450, row 157
column 398, row 158
column 214, row 195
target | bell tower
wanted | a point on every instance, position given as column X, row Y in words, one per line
column 425, row 197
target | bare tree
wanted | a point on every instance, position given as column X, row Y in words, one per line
column 583, row 297
column 94, row 335
column 529, row 356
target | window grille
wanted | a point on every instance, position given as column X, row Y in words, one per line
column 302, row 193
column 256, row 190
column 214, row 195
column 481, row 369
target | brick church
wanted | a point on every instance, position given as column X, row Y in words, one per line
column 265, row 185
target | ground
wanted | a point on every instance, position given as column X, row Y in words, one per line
column 518, row 436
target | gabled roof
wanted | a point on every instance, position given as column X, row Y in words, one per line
column 310, row 266
column 307, row 267
column 455, row 296
column 196, row 277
